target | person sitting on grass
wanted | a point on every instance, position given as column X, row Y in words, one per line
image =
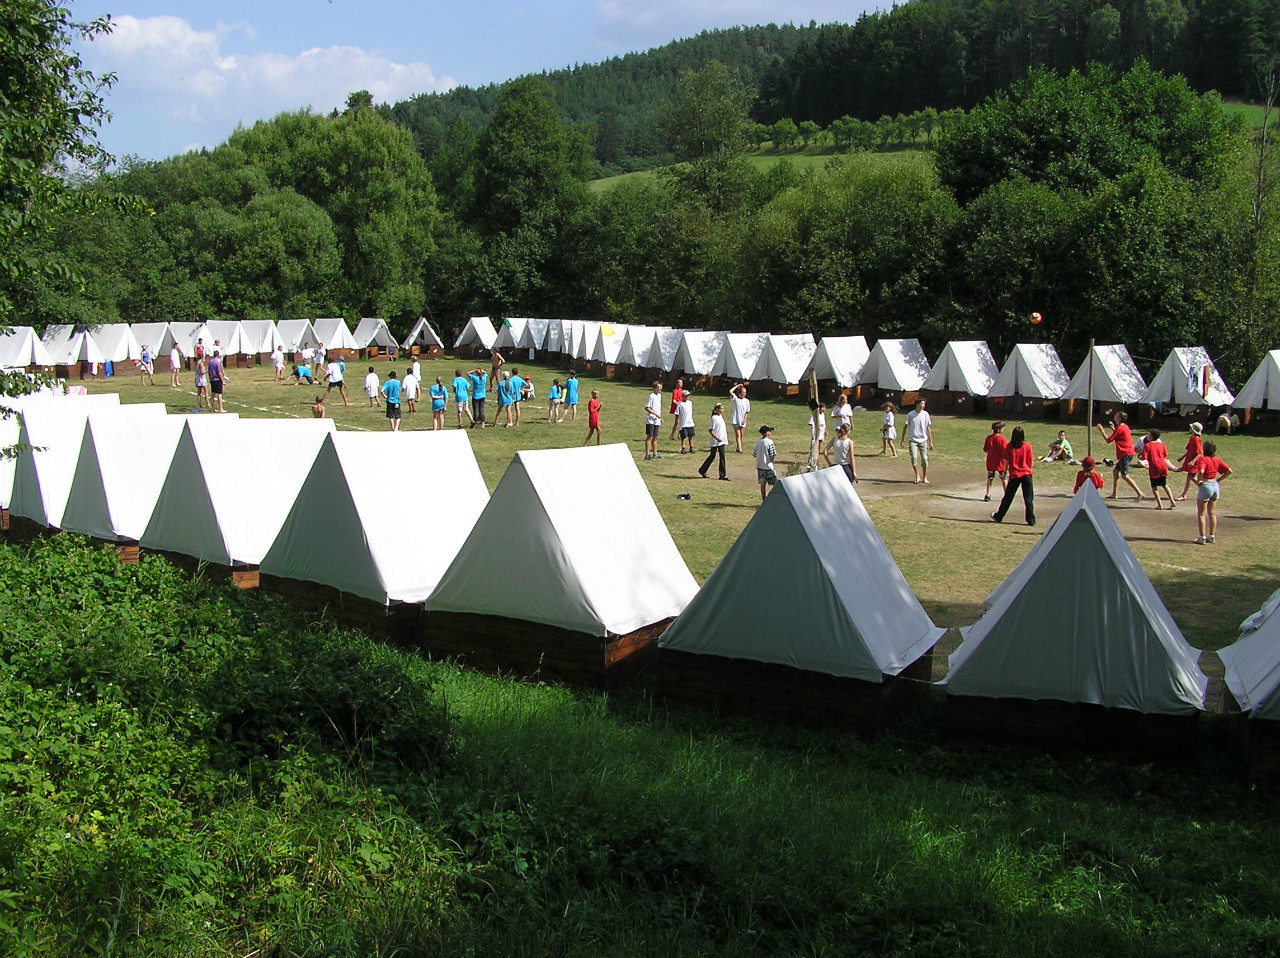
column 1059, row 449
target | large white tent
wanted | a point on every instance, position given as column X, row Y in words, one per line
column 785, row 358
column 739, row 355
column 840, row 358
column 555, row 340
column 367, row 551
column 116, row 342
column 699, row 352
column 573, row 573
column 57, row 337
column 156, row 335
column 373, row 331
column 11, row 428
column 1188, row 378
column 897, row 364
column 335, row 334
column 1080, row 622
column 534, row 335
column 1263, row 387
column 185, row 335
column 122, row 464
column 638, row 345
column 231, row 485
column 509, row 332
column 259, row 336
column 295, row 332
column 21, row 348
column 965, row 366
column 608, row 344
column 666, row 348
column 1033, row 371
column 224, row 336
column 836, row 602
column 479, row 331
column 584, row 346
column 1252, row 662
column 1115, row 377
column 422, row 335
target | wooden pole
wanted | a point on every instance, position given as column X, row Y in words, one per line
column 1088, row 449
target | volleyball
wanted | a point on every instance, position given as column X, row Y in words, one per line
column 1036, row 319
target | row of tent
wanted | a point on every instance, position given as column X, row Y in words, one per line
column 1033, row 370
column 1077, row 621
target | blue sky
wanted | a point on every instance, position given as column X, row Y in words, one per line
column 189, row 71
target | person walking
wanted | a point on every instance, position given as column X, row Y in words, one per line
column 888, row 432
column 1019, row 458
column 146, row 367
column 336, row 375
column 1208, row 478
column 593, row 417
column 439, row 400
column 391, row 393
column 461, row 396
column 175, row 364
column 919, row 440
column 372, row 387
column 765, row 453
column 1190, row 462
column 994, row 446
column 653, row 421
column 217, row 379
column 740, row 409
column 1123, row 439
column 719, row 442
column 677, row 397
column 842, row 446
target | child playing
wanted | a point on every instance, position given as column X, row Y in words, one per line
column 553, row 400
column 684, row 417
column 202, row 383
column 372, row 388
column 1211, row 472
column 994, row 446
column 1060, row 449
column 1157, row 457
column 765, row 452
column 1088, row 474
column 593, row 417
column 1190, row 462
column 409, row 390
column 888, row 432
column 842, row 445
column 439, row 400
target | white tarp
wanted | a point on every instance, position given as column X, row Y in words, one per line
column 555, row 336
column 785, row 358
column 367, row 549
column 534, row 335
column 185, row 335
column 223, row 336
column 479, row 331
column 230, row 486
column 699, row 352
column 334, row 333
column 840, row 358
column 569, row 571
column 259, row 336
column 294, row 333
column 116, row 342
column 509, row 332
column 1033, row 371
column 11, row 428
column 1080, row 622
column 609, row 342
column 122, row 464
column 1115, row 377
column 739, row 355
column 898, row 364
column 1188, row 378
column 640, row 347
column 79, row 348
column 836, row 601
column 22, row 348
column 584, row 346
column 156, row 335
column 1263, row 387
column 423, row 335
column 965, row 366
column 1252, row 662
column 666, row 348
column 373, row 331
column 57, row 338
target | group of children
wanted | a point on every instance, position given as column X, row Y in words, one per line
column 1199, row 462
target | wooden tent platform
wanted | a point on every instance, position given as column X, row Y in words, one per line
column 793, row 695
column 1071, row 729
column 958, row 403
column 1032, row 408
column 493, row 643
column 240, row 576
column 397, row 623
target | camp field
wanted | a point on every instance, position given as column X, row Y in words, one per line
column 941, row 535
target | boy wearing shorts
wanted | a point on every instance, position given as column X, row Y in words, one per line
column 994, row 446
column 765, row 452
column 1157, row 457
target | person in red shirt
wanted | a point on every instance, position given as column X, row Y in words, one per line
column 1211, row 472
column 1123, row 439
column 994, row 446
column 593, row 417
column 1088, row 474
column 1157, row 457
column 677, row 397
column 1191, row 458
column 1019, row 458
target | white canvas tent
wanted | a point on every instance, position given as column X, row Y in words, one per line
column 585, row 345
column 739, row 355
column 1188, row 378
column 965, row 366
column 156, row 335
column 259, row 336
column 555, row 336
column 1033, row 371
column 225, row 336
column 479, row 331
column 185, row 335
column 56, row 337
column 1252, row 663
column 335, row 334
column 509, row 332
column 836, row 602
column 571, row 574
column 79, row 348
column 609, row 343
column 534, row 335
column 423, row 335
column 1263, row 387
column 367, row 551
column 52, row 432
column 373, row 331
column 896, row 364
column 785, row 358
column 840, row 358
column 22, row 348
column 638, row 345
column 699, row 352
column 231, row 485
column 666, row 348
column 116, row 342
column 1115, row 377
column 1080, row 622
column 11, row 428
column 294, row 332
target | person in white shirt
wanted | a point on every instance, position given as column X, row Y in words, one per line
column 842, row 412
column 335, row 374
column 765, row 452
column 719, row 442
column 652, row 422
column 684, row 418
column 320, row 359
column 740, row 406
column 372, row 388
column 817, row 434
column 919, row 440
column 277, row 361
column 409, row 390
column 175, row 363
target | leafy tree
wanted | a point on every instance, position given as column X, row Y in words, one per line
column 707, row 125
column 785, row 134
column 809, row 131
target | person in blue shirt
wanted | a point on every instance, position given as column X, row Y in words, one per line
column 391, row 393
column 439, row 399
column 477, row 379
column 461, row 396
column 570, row 396
column 554, row 399
column 504, row 399
column 516, row 391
